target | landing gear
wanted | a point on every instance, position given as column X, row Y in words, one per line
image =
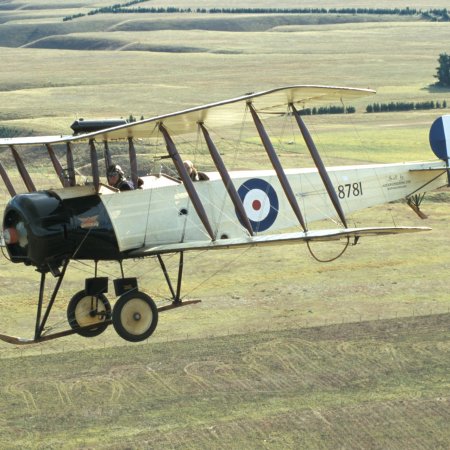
column 135, row 316
column 86, row 310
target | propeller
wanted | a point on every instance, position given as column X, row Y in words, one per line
column 16, row 234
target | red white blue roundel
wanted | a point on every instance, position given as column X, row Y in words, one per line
column 440, row 137
column 260, row 203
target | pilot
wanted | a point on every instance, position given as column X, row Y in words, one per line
column 116, row 178
column 194, row 174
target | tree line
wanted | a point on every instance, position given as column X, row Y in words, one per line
column 431, row 14
column 327, row 110
column 405, row 106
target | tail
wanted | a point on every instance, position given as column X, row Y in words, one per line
column 440, row 141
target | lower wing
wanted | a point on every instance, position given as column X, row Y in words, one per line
column 273, row 239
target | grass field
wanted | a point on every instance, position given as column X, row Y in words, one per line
column 282, row 352
column 144, row 70
column 378, row 384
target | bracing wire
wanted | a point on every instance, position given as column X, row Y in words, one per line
column 360, row 140
column 220, row 269
column 331, row 259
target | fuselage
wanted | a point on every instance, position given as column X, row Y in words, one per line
column 44, row 228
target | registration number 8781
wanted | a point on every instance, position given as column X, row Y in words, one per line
column 350, row 190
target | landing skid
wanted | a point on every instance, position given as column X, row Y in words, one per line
column 49, row 337
column 95, row 288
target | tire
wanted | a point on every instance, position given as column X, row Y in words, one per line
column 84, row 310
column 135, row 316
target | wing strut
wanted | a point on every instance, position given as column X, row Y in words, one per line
column 277, row 166
column 23, row 171
column 70, row 165
column 133, row 162
column 7, row 181
column 229, row 186
column 94, row 165
column 188, row 184
column 56, row 165
column 107, row 155
column 320, row 166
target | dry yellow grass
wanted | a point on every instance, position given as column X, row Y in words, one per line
column 293, row 363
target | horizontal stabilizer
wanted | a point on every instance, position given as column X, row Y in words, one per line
column 274, row 239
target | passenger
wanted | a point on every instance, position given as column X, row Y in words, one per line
column 116, row 178
column 194, row 174
column 190, row 169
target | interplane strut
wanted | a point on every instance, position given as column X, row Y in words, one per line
column 70, row 164
column 228, row 183
column 277, row 167
column 319, row 164
column 133, row 162
column 7, row 181
column 94, row 165
column 189, row 185
column 22, row 170
column 57, row 166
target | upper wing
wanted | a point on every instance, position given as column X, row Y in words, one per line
column 271, row 239
column 223, row 113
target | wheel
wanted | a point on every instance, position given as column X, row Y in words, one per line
column 135, row 316
column 86, row 310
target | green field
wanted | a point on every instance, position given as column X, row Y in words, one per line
column 379, row 384
column 282, row 352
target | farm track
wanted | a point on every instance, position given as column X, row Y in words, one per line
column 381, row 383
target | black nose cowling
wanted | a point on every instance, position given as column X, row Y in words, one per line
column 42, row 230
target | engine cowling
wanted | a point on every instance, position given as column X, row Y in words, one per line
column 42, row 230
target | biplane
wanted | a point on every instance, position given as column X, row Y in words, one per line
column 47, row 228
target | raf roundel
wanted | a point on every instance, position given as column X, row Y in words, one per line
column 260, row 203
column 440, row 137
